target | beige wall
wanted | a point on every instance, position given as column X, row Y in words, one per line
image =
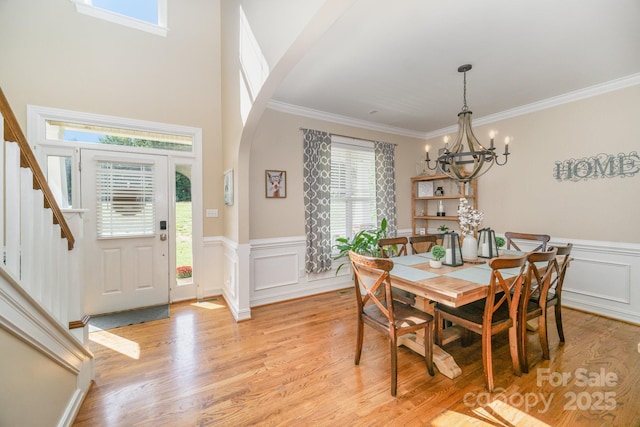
column 525, row 196
column 35, row 390
column 278, row 145
column 521, row 196
column 53, row 56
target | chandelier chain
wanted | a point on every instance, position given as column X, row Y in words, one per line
column 464, row 107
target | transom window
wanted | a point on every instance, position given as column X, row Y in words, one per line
column 79, row 132
column 145, row 15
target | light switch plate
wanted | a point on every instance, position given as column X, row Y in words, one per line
column 212, row 213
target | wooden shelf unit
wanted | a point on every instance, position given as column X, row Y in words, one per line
column 428, row 206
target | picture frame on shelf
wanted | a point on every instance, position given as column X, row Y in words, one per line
column 425, row 189
column 275, row 182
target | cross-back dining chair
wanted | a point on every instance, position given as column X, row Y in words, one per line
column 551, row 296
column 542, row 268
column 384, row 314
column 393, row 246
column 542, row 238
column 422, row 244
column 554, row 295
column 494, row 314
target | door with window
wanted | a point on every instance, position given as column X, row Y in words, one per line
column 126, row 241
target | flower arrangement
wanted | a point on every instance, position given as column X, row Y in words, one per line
column 469, row 218
column 184, row 271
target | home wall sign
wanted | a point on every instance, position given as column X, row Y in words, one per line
column 600, row 166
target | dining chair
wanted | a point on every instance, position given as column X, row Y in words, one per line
column 393, row 246
column 494, row 314
column 554, row 295
column 422, row 244
column 542, row 238
column 541, row 268
column 391, row 319
column 549, row 296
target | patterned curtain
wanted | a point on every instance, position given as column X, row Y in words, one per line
column 386, row 185
column 317, row 200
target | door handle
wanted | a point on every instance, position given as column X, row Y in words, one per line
column 163, row 237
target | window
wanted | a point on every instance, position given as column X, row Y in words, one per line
column 57, row 130
column 353, row 187
column 145, row 15
column 125, row 200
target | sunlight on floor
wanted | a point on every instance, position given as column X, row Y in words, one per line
column 114, row 342
column 450, row 418
column 496, row 413
column 208, row 305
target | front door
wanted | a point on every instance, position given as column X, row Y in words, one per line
column 126, row 236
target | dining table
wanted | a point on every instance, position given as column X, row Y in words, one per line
column 450, row 285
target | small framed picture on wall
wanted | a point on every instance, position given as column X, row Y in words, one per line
column 275, row 184
column 228, row 187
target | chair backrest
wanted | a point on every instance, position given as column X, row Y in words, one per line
column 422, row 244
column 393, row 246
column 542, row 238
column 542, row 266
column 565, row 253
column 372, row 282
column 504, row 290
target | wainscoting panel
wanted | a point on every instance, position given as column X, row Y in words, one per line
column 601, row 279
column 278, row 272
column 272, row 271
column 615, row 275
column 210, row 278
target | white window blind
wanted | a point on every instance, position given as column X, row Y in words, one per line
column 125, row 195
column 353, row 188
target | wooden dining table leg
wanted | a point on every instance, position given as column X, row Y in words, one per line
column 443, row 360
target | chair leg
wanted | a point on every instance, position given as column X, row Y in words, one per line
column 428, row 347
column 522, row 344
column 438, row 325
column 514, row 348
column 359, row 339
column 487, row 362
column 542, row 332
column 393, row 342
column 559, row 321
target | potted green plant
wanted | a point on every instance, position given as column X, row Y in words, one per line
column 443, row 228
column 438, row 253
column 500, row 242
column 365, row 242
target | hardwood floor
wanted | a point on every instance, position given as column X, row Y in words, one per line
column 292, row 364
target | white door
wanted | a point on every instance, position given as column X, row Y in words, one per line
column 126, row 237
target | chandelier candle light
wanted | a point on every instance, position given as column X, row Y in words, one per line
column 461, row 165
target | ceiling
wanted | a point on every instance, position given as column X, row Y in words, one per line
column 393, row 65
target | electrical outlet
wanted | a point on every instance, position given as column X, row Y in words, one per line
column 212, row 213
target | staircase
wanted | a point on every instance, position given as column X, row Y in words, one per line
column 46, row 367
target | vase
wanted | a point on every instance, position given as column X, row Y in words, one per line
column 469, row 248
column 435, row 263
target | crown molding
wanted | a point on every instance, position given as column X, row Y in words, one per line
column 577, row 95
column 343, row 120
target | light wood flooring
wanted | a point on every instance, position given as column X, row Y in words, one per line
column 292, row 365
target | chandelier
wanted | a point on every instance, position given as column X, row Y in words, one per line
column 461, row 165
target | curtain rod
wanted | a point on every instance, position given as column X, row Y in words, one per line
column 351, row 137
